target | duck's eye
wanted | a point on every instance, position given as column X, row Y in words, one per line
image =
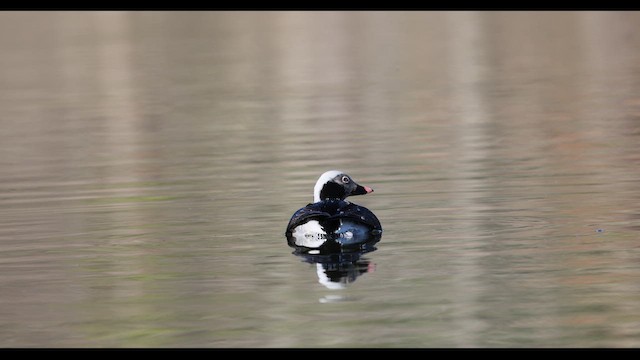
column 345, row 179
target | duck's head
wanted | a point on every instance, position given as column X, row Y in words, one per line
column 336, row 184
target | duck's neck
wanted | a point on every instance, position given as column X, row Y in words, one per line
column 324, row 180
column 329, row 190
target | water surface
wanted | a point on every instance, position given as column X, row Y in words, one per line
column 151, row 161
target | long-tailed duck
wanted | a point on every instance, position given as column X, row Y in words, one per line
column 331, row 222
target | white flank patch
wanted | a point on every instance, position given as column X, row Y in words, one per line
column 309, row 234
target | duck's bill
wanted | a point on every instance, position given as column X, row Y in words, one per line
column 361, row 190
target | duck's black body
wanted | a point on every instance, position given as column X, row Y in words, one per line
column 332, row 223
column 334, row 209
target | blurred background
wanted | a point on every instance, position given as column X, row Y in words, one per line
column 150, row 162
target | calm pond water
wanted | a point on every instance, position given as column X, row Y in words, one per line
column 151, row 161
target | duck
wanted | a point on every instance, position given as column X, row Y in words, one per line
column 331, row 222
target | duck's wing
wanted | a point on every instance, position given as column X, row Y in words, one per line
column 360, row 214
column 315, row 211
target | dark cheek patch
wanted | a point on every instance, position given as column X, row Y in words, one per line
column 332, row 190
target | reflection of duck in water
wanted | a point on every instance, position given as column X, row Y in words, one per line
column 336, row 270
column 331, row 223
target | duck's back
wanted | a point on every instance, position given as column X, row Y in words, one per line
column 334, row 209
